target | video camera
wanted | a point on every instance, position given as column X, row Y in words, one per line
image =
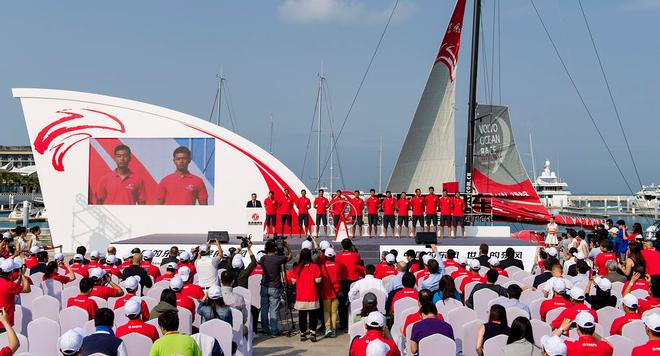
column 245, row 241
column 280, row 242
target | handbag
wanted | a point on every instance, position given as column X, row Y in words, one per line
column 339, row 295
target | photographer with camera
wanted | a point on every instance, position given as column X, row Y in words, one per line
column 271, row 284
column 207, row 266
column 242, row 272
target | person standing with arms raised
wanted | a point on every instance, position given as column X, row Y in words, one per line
column 321, row 204
column 431, row 205
column 373, row 204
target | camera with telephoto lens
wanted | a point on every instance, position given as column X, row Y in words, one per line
column 279, row 241
column 245, row 241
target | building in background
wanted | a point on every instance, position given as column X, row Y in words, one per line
column 18, row 156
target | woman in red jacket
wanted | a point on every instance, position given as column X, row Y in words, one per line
column 306, row 277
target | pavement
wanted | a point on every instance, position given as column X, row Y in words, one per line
column 292, row 346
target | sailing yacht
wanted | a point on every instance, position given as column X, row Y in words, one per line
column 552, row 190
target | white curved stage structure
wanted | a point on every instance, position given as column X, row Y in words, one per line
column 74, row 135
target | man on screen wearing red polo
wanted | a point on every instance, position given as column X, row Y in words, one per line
column 431, row 206
column 458, row 215
column 417, row 203
column 445, row 212
column 182, row 187
column 121, row 186
column 285, row 208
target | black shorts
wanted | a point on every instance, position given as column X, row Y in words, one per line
column 358, row 220
column 321, row 218
column 445, row 220
column 285, row 219
column 418, row 220
column 388, row 220
column 372, row 219
column 403, row 220
column 335, row 219
column 271, row 219
column 456, row 220
column 432, row 218
column 303, row 219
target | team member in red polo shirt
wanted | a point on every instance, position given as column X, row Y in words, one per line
column 652, row 347
column 8, row 289
column 271, row 204
column 472, row 276
column 402, row 207
column 653, row 300
column 182, row 187
column 373, row 204
column 462, row 269
column 77, row 265
column 94, row 258
column 424, row 297
column 189, row 288
column 170, row 271
column 132, row 284
column 637, row 281
column 183, row 301
column 651, row 257
column 357, row 209
column 431, row 202
column 303, row 204
column 450, row 260
column 101, row 281
column 417, row 203
column 348, row 259
column 605, row 255
column 136, row 324
column 577, row 299
column 458, row 214
column 495, row 264
column 330, row 287
column 388, row 204
column 82, row 300
column 152, row 270
column 52, row 274
column 321, row 204
column 408, row 290
column 285, row 207
column 337, row 207
column 109, row 266
column 445, row 203
column 588, row 342
column 306, row 277
column 386, row 267
column 374, row 323
column 630, row 307
column 121, row 186
column 557, row 300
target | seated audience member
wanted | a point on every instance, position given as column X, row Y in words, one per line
column 606, row 254
column 214, row 307
column 424, row 270
column 436, row 269
column 408, row 290
column 170, row 271
column 558, row 299
column 637, row 281
column 12, row 343
column 429, row 325
column 588, row 342
column 495, row 264
column 521, row 339
column 71, row 341
column 82, row 300
column 513, row 292
column 366, row 283
column 103, row 340
column 496, row 325
column 603, row 297
column 132, row 284
column 111, row 251
column 386, row 267
column 110, row 266
column 374, row 324
column 173, row 343
column 172, row 256
column 651, row 257
column 556, row 275
column 395, row 282
column 152, row 270
column 450, row 260
column 127, row 261
column 167, row 303
column 446, row 290
column 653, row 300
column 135, row 269
column 462, row 269
column 369, row 304
column 570, row 259
column 546, row 274
column 186, row 259
column 612, row 272
column 577, row 301
column 424, row 298
column 483, row 255
column 491, row 278
column 377, row 348
column 52, row 273
column 630, row 307
column 582, row 275
column 189, row 289
column 77, row 266
column 510, row 260
column 183, row 301
column 136, row 324
column 472, row 276
column 227, row 279
column 553, row 346
column 41, row 259
column 101, row 281
column 652, row 326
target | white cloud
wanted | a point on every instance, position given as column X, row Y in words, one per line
column 340, row 11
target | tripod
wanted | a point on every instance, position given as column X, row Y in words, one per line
column 288, row 325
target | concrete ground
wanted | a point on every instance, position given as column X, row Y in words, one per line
column 291, row 346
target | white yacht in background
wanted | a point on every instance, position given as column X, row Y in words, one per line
column 647, row 198
column 551, row 189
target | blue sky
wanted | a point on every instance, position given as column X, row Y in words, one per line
column 167, row 53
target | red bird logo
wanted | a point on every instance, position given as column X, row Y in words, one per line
column 62, row 134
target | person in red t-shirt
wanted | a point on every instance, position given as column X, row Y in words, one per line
column 588, row 342
column 337, row 206
column 357, row 209
column 183, row 301
column 306, row 277
column 431, row 202
column 652, row 258
column 271, row 205
column 652, row 326
column 637, row 281
column 303, row 204
column 630, row 307
column 321, row 205
column 445, row 203
column 408, row 290
column 330, row 287
column 285, row 208
column 388, row 204
column 348, row 260
column 82, row 300
column 152, row 270
column 189, row 289
column 182, row 187
column 387, row 267
column 458, row 214
column 77, row 266
column 417, row 203
column 472, row 276
column 12, row 340
column 136, row 321
column 101, row 281
column 605, row 255
column 373, row 204
column 577, row 299
column 374, row 323
column 9, row 289
column 402, row 207
column 132, row 284
column 170, row 271
column 121, row 186
column 52, row 274
column 109, row 266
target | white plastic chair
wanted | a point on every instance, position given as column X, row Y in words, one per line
column 43, row 334
column 254, row 286
column 22, row 317
column 535, row 309
column 553, row 314
column 221, row 331
column 514, row 312
column 46, row 306
column 154, row 322
column 237, row 327
column 622, row 345
column 468, row 289
column 529, row 280
column 111, row 302
column 89, row 327
column 185, row 321
column 606, row 316
column 528, row 296
column 511, row 270
column 617, row 289
column 458, row 281
column 640, row 293
column 36, row 278
column 451, row 269
column 72, row 317
column 356, row 329
column 137, row 344
column 27, row 298
column 403, row 304
column 501, row 280
column 431, row 345
column 460, row 316
column 155, row 292
column 649, row 312
column 635, row 331
column 540, row 328
column 468, row 337
column 447, row 305
column 22, row 340
column 494, row 345
column 120, row 317
column 100, row 302
column 69, row 292
column 53, row 288
column 399, row 320
column 205, row 343
column 480, row 301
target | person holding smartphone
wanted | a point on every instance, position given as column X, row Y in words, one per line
column 12, row 340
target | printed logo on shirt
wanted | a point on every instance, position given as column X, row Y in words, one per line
column 190, row 187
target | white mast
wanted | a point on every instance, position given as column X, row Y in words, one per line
column 221, row 78
column 319, row 102
column 531, row 151
column 270, row 146
column 380, row 165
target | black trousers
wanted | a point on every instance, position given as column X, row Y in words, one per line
column 303, row 315
column 255, row 317
column 343, row 305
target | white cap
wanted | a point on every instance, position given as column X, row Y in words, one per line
column 580, row 255
column 176, row 283
column 215, row 292
column 324, row 244
column 462, row 261
column 133, row 306
column 493, row 261
column 260, row 255
column 630, row 301
column 330, row 252
column 94, row 254
column 614, row 230
column 474, row 264
column 71, row 341
column 376, row 347
column 226, row 254
column 111, row 259
column 18, row 262
column 389, row 258
column 204, row 248
column 132, row 282
column 78, row 257
column 7, row 265
column 375, row 319
column 126, row 255
column 551, row 252
column 553, row 345
column 148, row 254
column 652, row 321
column 426, row 259
column 59, row 256
column 36, row 249
column 184, row 273
column 577, row 293
column 96, row 273
column 306, row 245
column 184, row 256
column 584, row 319
column 171, row 265
column 237, row 261
column 559, row 285
column 603, row 284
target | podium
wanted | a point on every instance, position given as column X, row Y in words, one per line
column 254, row 223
